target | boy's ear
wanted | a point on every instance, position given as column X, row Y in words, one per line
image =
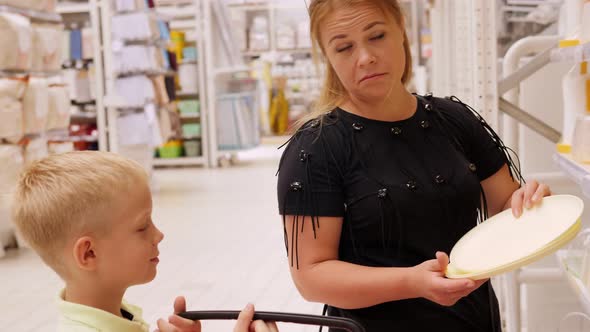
column 84, row 253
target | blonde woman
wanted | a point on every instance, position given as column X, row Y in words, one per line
column 379, row 184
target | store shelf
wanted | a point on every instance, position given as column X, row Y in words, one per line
column 257, row 53
column 65, row 8
column 187, row 94
column 181, row 12
column 159, row 16
column 83, row 117
column 190, row 116
column 83, row 103
column 149, row 72
column 183, row 25
column 578, row 172
column 11, row 73
column 231, row 70
column 261, row 6
column 186, row 137
column 34, row 15
column 236, row 95
column 157, row 42
column 173, row 2
column 578, row 53
column 570, row 269
column 84, row 138
column 182, row 161
column 250, row 6
column 77, row 64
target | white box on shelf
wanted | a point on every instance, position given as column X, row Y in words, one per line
column 15, row 42
column 35, row 101
column 11, row 119
column 46, row 54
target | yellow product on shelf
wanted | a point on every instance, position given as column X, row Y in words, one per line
column 178, row 43
column 576, row 97
column 172, row 149
column 279, row 113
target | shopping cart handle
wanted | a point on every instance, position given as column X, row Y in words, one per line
column 334, row 322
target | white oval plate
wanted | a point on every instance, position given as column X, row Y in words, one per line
column 503, row 243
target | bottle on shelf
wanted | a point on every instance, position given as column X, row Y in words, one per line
column 585, row 23
column 576, row 98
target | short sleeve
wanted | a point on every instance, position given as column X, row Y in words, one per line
column 481, row 145
column 310, row 174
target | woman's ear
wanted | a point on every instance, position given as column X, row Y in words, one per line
column 85, row 253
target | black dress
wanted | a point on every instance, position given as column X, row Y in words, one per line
column 405, row 189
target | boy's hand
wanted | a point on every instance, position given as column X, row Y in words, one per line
column 176, row 323
column 245, row 323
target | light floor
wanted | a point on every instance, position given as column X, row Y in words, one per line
column 223, row 248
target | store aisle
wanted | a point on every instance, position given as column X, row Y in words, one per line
column 223, row 247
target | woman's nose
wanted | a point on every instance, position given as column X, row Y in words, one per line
column 366, row 57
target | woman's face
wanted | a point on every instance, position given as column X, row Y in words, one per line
column 365, row 47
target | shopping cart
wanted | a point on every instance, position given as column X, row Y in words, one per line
column 326, row 321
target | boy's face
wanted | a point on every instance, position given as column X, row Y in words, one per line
column 128, row 254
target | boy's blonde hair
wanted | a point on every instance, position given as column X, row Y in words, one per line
column 68, row 195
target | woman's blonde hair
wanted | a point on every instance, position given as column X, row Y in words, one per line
column 333, row 92
column 63, row 196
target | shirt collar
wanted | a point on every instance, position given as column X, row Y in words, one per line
column 100, row 319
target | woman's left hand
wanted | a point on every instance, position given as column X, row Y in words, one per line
column 527, row 196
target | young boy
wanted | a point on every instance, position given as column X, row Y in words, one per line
column 88, row 215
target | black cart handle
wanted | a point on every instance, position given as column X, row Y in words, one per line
column 334, row 322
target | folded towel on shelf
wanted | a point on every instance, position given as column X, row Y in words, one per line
column 35, row 103
column 135, row 26
column 135, row 90
column 58, row 115
column 134, row 129
column 140, row 153
column 15, row 42
column 41, row 5
column 11, row 119
column 11, row 164
column 87, row 43
column 46, row 47
column 80, row 84
column 137, row 58
column 129, row 5
column 36, row 149
column 59, row 147
column 65, row 46
column 13, row 87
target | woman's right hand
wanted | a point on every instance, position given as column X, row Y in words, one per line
column 245, row 323
column 432, row 284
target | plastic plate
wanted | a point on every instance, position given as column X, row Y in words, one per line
column 504, row 243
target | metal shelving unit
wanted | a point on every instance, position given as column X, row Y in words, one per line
column 187, row 16
column 90, row 12
column 579, row 173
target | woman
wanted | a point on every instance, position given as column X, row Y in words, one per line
column 380, row 184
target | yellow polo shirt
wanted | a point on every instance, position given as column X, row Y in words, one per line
column 81, row 318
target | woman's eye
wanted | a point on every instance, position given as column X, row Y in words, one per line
column 378, row 37
column 342, row 49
